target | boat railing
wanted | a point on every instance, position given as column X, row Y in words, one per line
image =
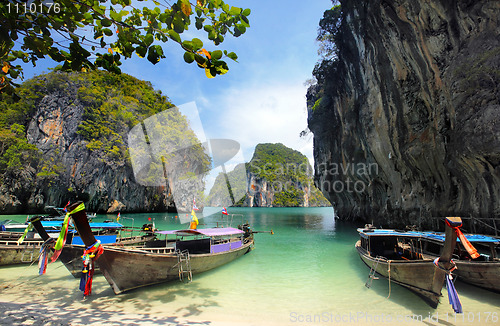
column 473, row 224
column 25, row 243
column 227, row 220
column 475, row 220
column 168, row 250
column 131, row 229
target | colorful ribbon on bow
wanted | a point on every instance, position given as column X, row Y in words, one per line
column 89, row 256
column 467, row 245
column 453, row 298
column 28, row 228
column 44, row 255
column 61, row 240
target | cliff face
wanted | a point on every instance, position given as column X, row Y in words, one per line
column 409, row 115
column 69, row 166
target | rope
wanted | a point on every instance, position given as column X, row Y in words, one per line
column 389, row 270
column 447, row 271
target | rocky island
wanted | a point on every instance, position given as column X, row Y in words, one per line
column 276, row 176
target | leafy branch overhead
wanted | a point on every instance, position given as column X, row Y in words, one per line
column 91, row 34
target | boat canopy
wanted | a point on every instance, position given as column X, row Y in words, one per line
column 210, row 232
column 470, row 237
column 107, row 225
column 428, row 235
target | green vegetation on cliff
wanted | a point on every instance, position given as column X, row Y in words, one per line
column 113, row 104
column 102, row 108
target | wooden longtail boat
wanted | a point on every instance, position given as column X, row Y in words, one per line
column 483, row 271
column 27, row 251
column 129, row 268
column 392, row 254
column 71, row 253
column 13, row 253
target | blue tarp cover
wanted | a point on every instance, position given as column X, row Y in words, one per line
column 430, row 235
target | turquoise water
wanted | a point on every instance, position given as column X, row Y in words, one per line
column 307, row 273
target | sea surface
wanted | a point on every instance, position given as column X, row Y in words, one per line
column 307, row 273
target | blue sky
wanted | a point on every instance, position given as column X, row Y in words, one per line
column 262, row 97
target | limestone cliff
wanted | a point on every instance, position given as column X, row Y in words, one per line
column 72, row 144
column 408, row 115
column 276, row 176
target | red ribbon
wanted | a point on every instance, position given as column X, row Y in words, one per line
column 467, row 245
column 90, row 255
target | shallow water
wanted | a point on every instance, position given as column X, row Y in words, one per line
column 307, row 273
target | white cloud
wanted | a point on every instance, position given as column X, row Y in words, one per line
column 263, row 113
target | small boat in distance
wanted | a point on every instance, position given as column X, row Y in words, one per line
column 192, row 251
column 394, row 255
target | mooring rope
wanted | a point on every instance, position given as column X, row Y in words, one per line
column 389, row 270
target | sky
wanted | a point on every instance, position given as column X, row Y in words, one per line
column 262, row 97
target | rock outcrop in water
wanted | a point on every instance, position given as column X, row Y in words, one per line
column 70, row 143
column 409, row 115
column 276, row 176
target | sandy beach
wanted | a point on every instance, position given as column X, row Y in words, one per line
column 54, row 299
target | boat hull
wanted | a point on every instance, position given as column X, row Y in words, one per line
column 412, row 274
column 154, row 268
column 70, row 256
column 12, row 254
column 482, row 274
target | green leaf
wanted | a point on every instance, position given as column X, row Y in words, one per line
column 197, row 44
column 178, row 24
column 106, row 22
column 114, row 15
column 188, row 57
column 174, row 36
column 241, row 28
column 199, row 23
column 245, row 21
column 232, row 55
column 107, row 31
column 188, row 45
column 148, row 39
column 141, row 51
column 155, row 52
column 212, row 35
column 234, row 11
column 246, row 12
column 217, row 54
column 200, row 60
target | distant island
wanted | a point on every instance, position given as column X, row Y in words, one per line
column 276, row 176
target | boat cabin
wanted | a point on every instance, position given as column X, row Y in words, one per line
column 391, row 244
column 488, row 247
column 205, row 241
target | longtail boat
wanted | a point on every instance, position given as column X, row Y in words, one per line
column 71, row 253
column 163, row 260
column 479, row 266
column 394, row 255
column 14, row 251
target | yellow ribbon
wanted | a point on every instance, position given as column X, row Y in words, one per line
column 21, row 239
column 64, row 228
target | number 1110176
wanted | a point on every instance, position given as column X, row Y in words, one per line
column 34, row 8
